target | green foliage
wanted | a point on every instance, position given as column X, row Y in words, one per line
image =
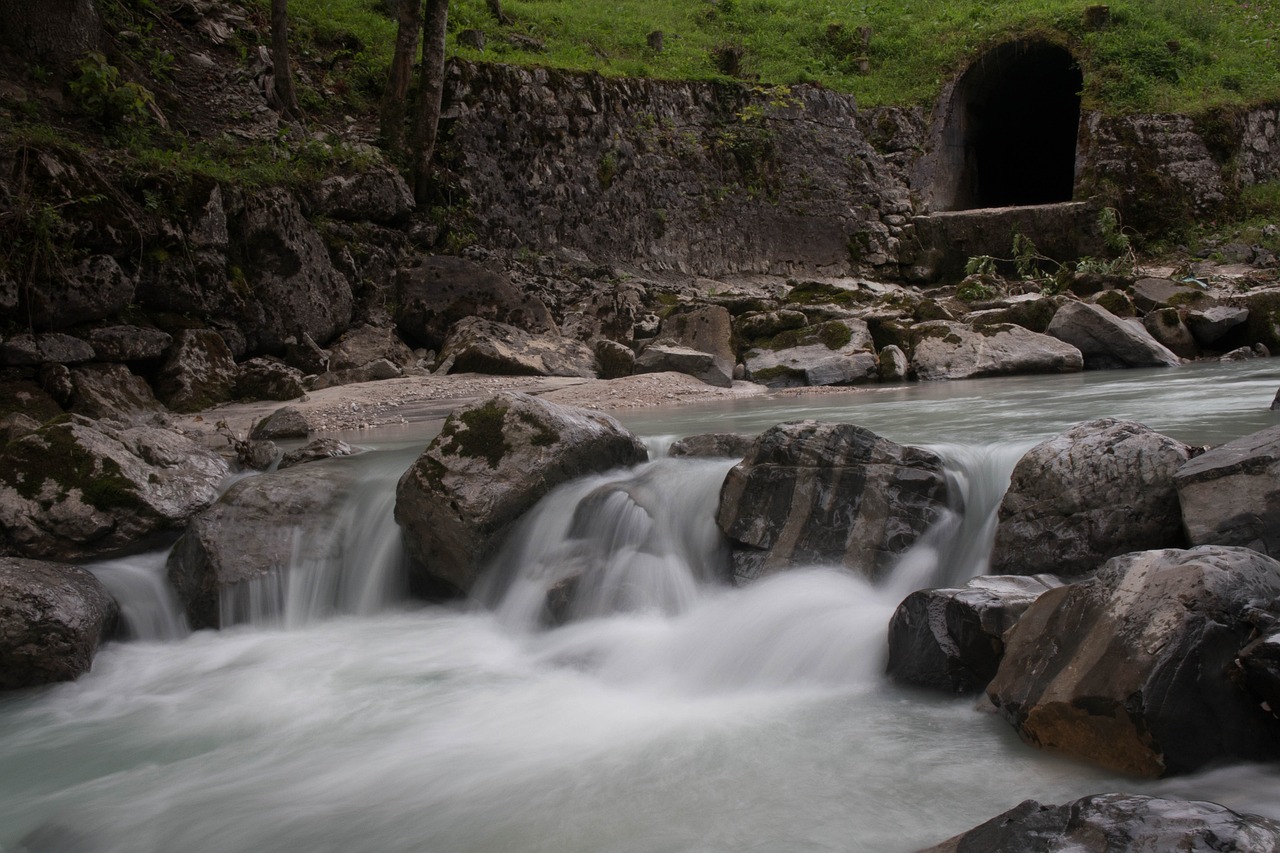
column 103, row 96
column 976, row 287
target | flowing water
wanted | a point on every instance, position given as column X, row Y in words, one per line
column 668, row 713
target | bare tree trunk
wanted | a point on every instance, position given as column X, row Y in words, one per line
column 282, row 72
column 394, row 103
column 52, row 33
column 430, row 94
column 495, row 8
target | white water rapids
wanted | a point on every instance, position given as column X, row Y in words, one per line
column 671, row 713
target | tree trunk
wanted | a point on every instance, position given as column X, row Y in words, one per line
column 283, row 74
column 52, row 33
column 495, row 9
column 394, row 103
column 430, row 95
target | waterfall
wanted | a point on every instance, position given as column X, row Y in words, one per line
column 148, row 608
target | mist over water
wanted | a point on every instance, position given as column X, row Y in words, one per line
column 668, row 713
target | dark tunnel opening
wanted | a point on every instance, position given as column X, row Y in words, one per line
column 1018, row 111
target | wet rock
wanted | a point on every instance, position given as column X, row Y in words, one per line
column 1245, row 354
column 93, row 289
column 1105, row 340
column 316, row 451
column 111, row 391
column 250, row 537
column 719, row 445
column 378, row 195
column 268, row 379
column 834, row 494
column 1130, row 669
column 433, row 293
column 53, row 617
column 1167, row 327
column 198, row 372
column 1231, row 494
column 1208, row 325
column 671, row 358
column 951, row 639
column 1100, row 489
column 491, row 462
column 1152, row 294
column 285, row 422
column 838, row 352
column 256, row 454
column 78, row 489
column 947, row 350
column 1262, row 326
column 47, row 348
column 365, row 344
column 894, row 366
column 1258, row 670
column 1118, row 823
column 128, row 343
column 475, row 345
column 615, row 360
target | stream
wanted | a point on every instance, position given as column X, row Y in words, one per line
column 671, row 713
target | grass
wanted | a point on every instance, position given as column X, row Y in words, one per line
column 1152, row 55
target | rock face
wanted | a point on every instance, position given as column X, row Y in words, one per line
column 483, row 346
column 111, row 391
column 950, row 350
column 1130, row 669
column 1101, row 489
column 810, row 492
column 252, row 535
column 951, row 639
column 838, row 352
column 719, row 445
column 52, row 619
column 433, row 293
column 490, row 463
column 364, row 344
column 1105, row 340
column 1118, row 823
column 79, row 488
column 198, row 373
column 378, row 195
column 128, row 343
column 96, row 288
column 1231, row 494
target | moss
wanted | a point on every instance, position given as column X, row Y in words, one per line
column 835, row 335
column 817, row 293
column 1187, row 298
column 482, row 437
column 53, row 454
column 1116, row 302
column 781, row 371
column 543, row 435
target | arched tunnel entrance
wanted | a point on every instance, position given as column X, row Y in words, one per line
column 1009, row 130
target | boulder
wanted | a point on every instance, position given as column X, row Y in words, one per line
column 1257, row 669
column 251, row 536
column 1130, row 668
column 1246, row 354
column 1231, row 495
column 1152, row 294
column 1105, row 340
column 268, row 379
column 1208, row 325
column 951, row 639
column 762, row 326
column 610, row 310
column 1100, row 489
column 1262, row 326
column 198, row 372
column 53, row 617
column 948, row 350
column 46, row 348
column 1167, row 327
column 433, row 293
column 111, row 391
column 378, row 195
column 671, row 358
column 704, row 328
column 615, row 360
column 1030, row 311
column 316, row 451
column 77, row 489
column 374, row 371
column 365, row 344
column 838, row 352
column 285, row 422
column 894, row 366
column 128, row 343
column 1118, row 823
column 835, row 494
column 19, row 396
column 93, row 289
column 719, row 445
column 475, row 345
column 491, row 462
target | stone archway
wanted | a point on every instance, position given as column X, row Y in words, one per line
column 1005, row 131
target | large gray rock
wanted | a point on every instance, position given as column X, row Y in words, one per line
column 837, row 494
column 268, row 379
column 433, row 293
column 1130, row 669
column 949, row 350
column 1208, row 325
column 702, row 328
column 491, row 462
column 1100, row 489
column 838, row 352
column 1152, row 294
column 1118, row 823
column 475, row 345
column 1167, row 326
column 111, row 391
column 46, row 348
column 1105, row 340
column 78, row 489
column 364, row 344
column 93, row 289
column 53, row 617
column 198, row 372
column 1231, row 494
column 718, row 445
column 673, row 358
column 128, row 343
column 250, row 537
column 378, row 195
column 952, row 639
column 1259, row 670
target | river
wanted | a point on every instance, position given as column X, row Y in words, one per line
column 674, row 714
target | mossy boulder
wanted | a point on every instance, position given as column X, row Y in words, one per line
column 947, row 350
column 838, row 352
column 491, row 462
